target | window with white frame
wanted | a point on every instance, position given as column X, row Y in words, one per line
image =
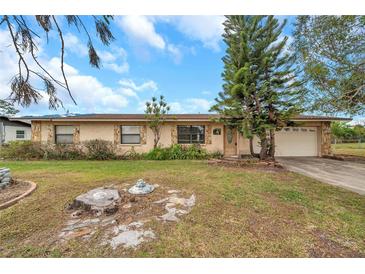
column 130, row 135
column 20, row 134
column 64, row 134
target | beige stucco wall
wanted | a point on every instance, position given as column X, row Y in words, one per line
column 44, row 132
column 96, row 130
column 243, row 145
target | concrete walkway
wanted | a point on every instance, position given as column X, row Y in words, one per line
column 349, row 175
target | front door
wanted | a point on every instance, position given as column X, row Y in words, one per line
column 230, row 141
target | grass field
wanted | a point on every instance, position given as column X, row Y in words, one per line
column 354, row 149
column 238, row 212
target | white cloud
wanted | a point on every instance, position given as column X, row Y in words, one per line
column 206, row 92
column 124, row 67
column 206, row 29
column 114, row 101
column 141, row 106
column 176, row 107
column 115, row 60
column 53, row 66
column 190, row 105
column 73, row 44
column 175, row 53
column 199, row 104
column 130, row 89
column 148, row 85
column 141, row 29
column 90, row 94
column 107, row 56
column 128, row 92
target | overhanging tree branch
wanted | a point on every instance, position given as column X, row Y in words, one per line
column 62, row 58
column 23, row 41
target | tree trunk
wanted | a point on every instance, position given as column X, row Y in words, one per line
column 253, row 154
column 272, row 144
column 157, row 138
column 272, row 132
column 264, row 146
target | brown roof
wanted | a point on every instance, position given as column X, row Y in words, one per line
column 172, row 117
column 319, row 118
column 128, row 117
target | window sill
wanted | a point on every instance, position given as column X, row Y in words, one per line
column 192, row 144
column 64, row 144
column 129, row 145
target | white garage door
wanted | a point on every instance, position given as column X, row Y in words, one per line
column 295, row 141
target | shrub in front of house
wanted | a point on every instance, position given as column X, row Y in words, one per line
column 178, row 152
column 158, row 153
column 27, row 150
column 132, row 155
column 99, row 150
column 63, row 152
column 216, row 155
column 21, row 150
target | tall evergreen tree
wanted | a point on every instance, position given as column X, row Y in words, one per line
column 281, row 92
column 260, row 92
column 236, row 103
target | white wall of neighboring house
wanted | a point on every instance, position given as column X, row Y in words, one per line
column 9, row 133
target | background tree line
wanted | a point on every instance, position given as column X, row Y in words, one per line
column 343, row 132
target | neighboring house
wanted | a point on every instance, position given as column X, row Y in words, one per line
column 12, row 129
column 309, row 135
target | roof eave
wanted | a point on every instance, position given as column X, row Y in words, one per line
column 119, row 120
column 320, row 120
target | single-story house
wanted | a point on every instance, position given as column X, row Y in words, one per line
column 13, row 129
column 307, row 135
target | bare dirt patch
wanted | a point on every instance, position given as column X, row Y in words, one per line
column 325, row 246
column 249, row 164
column 15, row 189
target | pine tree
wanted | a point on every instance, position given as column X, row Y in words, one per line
column 235, row 103
column 7, row 108
column 260, row 91
column 280, row 91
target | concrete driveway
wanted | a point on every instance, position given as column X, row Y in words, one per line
column 349, row 175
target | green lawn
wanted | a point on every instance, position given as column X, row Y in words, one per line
column 239, row 212
column 354, row 149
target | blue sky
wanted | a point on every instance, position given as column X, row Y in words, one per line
column 176, row 56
